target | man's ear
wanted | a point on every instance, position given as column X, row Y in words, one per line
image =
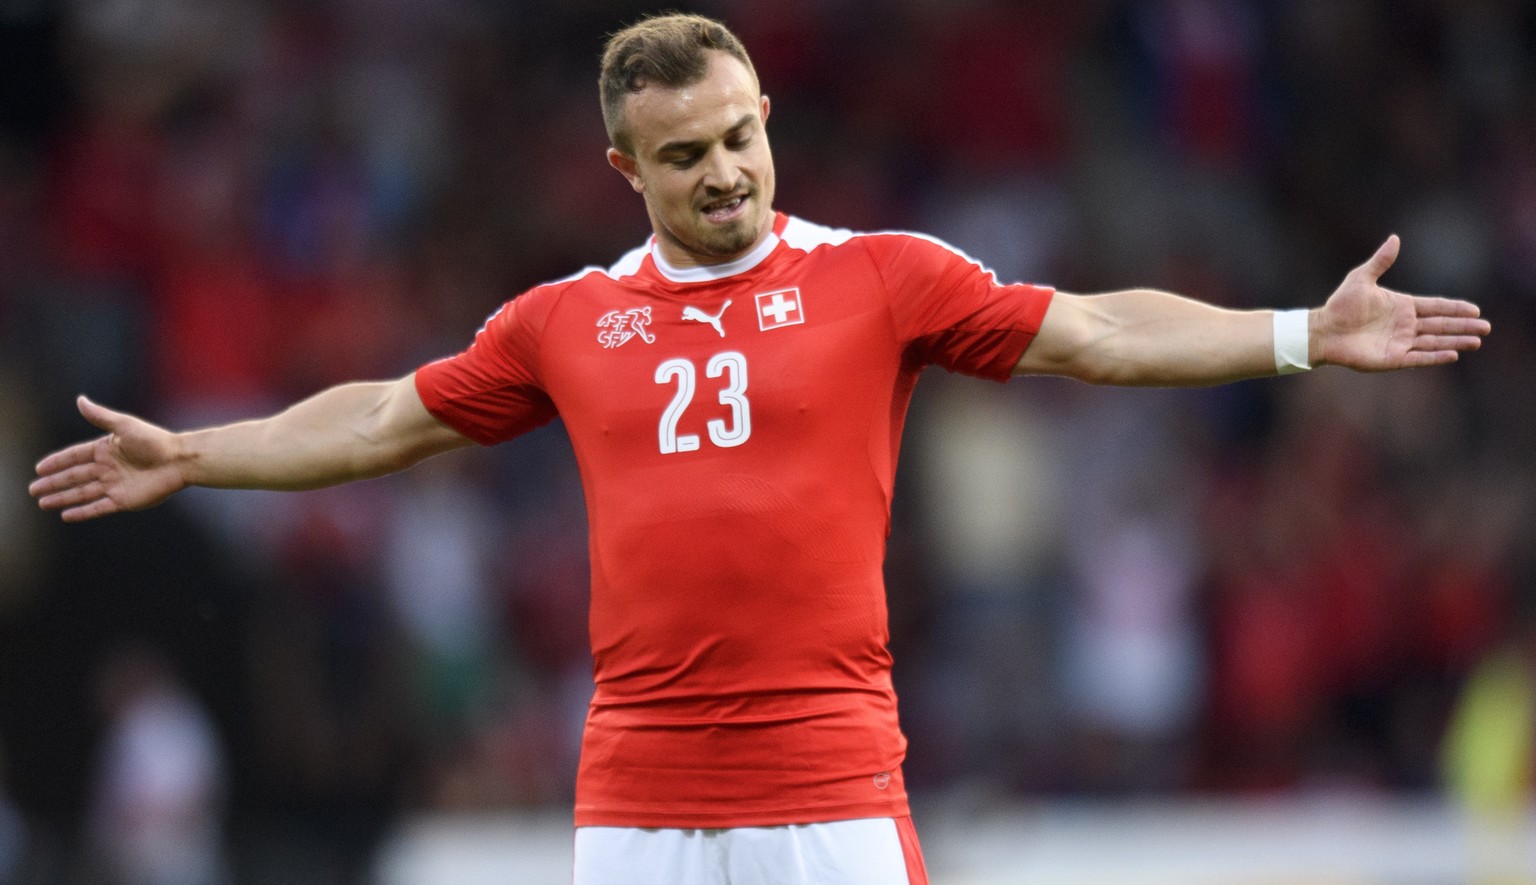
column 765, row 108
column 627, row 167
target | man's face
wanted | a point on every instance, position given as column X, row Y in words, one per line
column 701, row 161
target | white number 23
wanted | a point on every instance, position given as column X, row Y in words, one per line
column 724, row 434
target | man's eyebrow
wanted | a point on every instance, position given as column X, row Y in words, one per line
column 680, row 147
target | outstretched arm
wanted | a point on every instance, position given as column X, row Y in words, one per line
column 1149, row 338
column 353, row 431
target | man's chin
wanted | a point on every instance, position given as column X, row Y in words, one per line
column 728, row 242
column 716, row 244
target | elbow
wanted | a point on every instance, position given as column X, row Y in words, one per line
column 1097, row 373
column 1106, row 366
column 1096, row 366
column 376, row 451
column 380, row 460
column 378, row 454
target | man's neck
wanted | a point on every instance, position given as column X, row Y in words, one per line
column 718, row 267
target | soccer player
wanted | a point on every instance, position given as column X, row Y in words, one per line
column 735, row 390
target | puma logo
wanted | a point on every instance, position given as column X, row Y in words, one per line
column 693, row 313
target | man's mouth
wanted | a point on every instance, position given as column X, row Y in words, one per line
column 725, row 209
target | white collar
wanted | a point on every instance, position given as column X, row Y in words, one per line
column 707, row 272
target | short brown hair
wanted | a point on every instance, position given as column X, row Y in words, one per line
column 670, row 51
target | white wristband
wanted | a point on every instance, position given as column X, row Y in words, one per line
column 1291, row 342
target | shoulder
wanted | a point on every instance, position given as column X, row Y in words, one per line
column 541, row 299
column 626, row 267
column 883, row 245
column 807, row 236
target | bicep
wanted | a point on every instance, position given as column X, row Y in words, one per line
column 1071, row 325
column 406, row 425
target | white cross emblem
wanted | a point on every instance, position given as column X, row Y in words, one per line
column 781, row 308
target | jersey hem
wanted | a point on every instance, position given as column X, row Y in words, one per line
column 895, row 807
column 1002, row 368
column 439, row 408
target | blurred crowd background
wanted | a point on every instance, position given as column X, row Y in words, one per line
column 211, row 208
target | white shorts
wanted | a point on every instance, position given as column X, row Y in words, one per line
column 873, row 851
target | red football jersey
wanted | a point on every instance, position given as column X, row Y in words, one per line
column 736, row 427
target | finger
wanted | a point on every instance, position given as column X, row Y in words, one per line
column 1435, row 343
column 79, row 453
column 64, row 479
column 72, row 497
column 1439, row 325
column 99, row 507
column 1427, row 306
column 1414, row 359
column 1377, row 264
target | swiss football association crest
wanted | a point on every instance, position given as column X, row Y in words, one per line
column 618, row 326
column 781, row 308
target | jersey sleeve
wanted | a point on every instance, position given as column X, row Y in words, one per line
column 952, row 312
column 491, row 391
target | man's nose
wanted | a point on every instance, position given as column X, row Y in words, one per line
column 720, row 173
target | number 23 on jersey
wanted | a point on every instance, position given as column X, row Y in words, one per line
column 725, row 432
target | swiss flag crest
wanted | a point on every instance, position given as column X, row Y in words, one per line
column 781, row 308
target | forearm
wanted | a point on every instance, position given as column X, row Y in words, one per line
column 350, row 432
column 1144, row 337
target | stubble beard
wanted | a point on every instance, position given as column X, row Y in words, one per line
column 730, row 241
column 720, row 243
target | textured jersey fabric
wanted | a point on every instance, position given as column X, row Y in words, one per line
column 736, row 428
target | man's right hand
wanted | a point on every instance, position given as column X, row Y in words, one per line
column 136, row 465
